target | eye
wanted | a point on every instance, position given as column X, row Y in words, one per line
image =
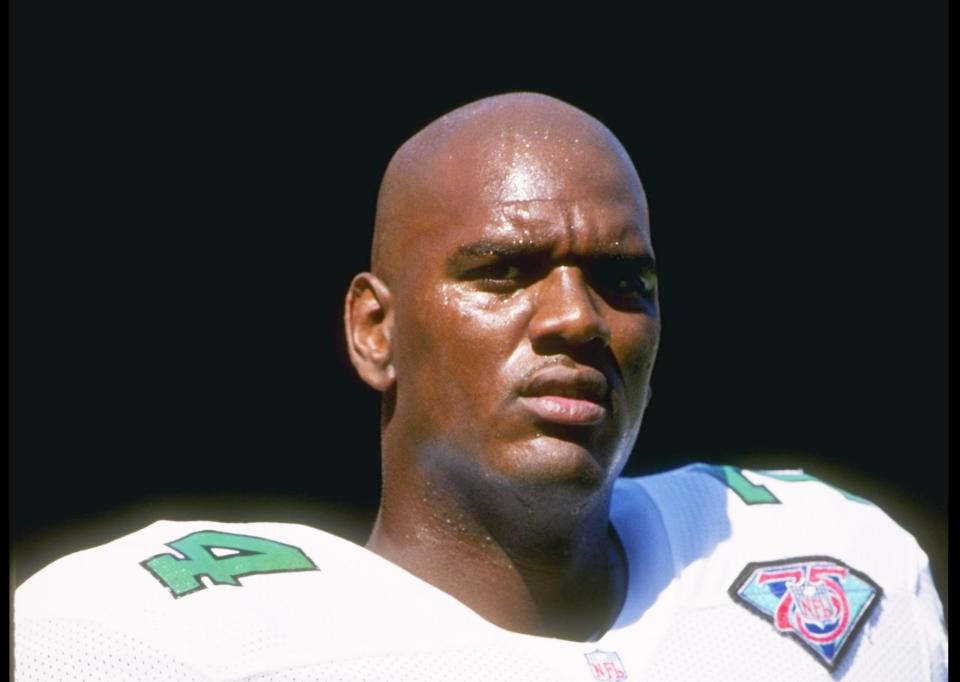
column 502, row 276
column 629, row 285
column 642, row 283
column 501, row 271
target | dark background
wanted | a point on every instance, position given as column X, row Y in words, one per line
column 190, row 196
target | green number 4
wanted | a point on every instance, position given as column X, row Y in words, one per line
column 247, row 555
column 752, row 493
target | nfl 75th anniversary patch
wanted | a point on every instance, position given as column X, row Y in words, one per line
column 818, row 600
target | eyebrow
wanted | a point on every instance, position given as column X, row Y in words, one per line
column 485, row 248
column 519, row 249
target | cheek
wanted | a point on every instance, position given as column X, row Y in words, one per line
column 463, row 339
column 482, row 316
column 635, row 347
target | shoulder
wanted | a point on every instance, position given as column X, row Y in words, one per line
column 214, row 600
column 225, row 600
column 793, row 550
column 175, row 558
column 778, row 513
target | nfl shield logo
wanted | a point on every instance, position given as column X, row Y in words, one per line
column 819, row 601
column 606, row 665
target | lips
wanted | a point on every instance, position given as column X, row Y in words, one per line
column 563, row 395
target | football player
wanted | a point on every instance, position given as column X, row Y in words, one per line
column 510, row 320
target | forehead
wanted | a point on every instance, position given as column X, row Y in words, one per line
column 563, row 227
column 563, row 193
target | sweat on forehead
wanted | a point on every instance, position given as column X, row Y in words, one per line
column 502, row 148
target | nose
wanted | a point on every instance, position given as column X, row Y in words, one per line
column 565, row 310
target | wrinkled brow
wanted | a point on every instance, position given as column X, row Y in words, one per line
column 502, row 249
column 521, row 248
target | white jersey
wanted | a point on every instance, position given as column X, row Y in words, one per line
column 732, row 575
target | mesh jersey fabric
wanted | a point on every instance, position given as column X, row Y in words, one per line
column 101, row 615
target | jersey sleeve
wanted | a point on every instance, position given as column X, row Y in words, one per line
column 178, row 601
column 85, row 617
column 60, row 649
column 756, row 548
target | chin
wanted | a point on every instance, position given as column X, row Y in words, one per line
column 549, row 460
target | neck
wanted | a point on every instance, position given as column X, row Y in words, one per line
column 541, row 560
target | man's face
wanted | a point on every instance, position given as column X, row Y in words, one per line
column 527, row 319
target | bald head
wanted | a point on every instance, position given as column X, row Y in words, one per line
column 511, row 323
column 506, row 148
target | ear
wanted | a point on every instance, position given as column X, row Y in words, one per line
column 368, row 319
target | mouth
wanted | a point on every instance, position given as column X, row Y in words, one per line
column 569, row 411
column 572, row 397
